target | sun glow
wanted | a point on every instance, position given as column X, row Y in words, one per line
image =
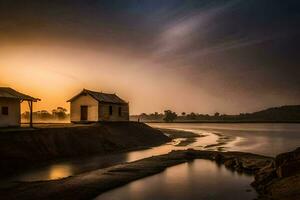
column 59, row 171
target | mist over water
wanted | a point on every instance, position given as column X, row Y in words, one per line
column 262, row 138
column 203, row 179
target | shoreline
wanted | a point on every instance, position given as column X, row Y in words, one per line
column 28, row 148
column 182, row 138
column 274, row 178
column 188, row 137
column 91, row 184
column 268, row 180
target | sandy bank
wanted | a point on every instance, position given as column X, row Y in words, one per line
column 23, row 148
column 187, row 137
column 174, row 134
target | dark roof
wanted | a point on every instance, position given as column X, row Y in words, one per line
column 8, row 92
column 101, row 97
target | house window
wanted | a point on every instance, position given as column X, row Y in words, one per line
column 110, row 110
column 120, row 111
column 4, row 110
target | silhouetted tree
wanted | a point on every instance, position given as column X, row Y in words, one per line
column 44, row 115
column 59, row 113
column 169, row 116
column 191, row 116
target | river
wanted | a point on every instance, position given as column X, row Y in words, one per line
column 202, row 179
column 267, row 139
column 205, row 176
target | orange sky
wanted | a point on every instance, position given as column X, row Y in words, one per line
column 187, row 56
column 56, row 73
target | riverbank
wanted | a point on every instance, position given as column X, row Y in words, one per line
column 91, row 184
column 26, row 148
column 275, row 178
column 187, row 137
column 62, row 168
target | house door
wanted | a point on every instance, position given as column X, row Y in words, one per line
column 83, row 113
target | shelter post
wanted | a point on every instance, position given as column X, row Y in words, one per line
column 30, row 113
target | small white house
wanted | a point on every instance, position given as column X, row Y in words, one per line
column 91, row 106
column 10, row 101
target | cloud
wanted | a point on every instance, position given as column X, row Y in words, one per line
column 181, row 32
column 203, row 46
column 233, row 44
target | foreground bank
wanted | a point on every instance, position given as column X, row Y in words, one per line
column 276, row 178
column 22, row 148
column 89, row 185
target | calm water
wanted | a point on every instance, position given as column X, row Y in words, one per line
column 267, row 139
column 200, row 179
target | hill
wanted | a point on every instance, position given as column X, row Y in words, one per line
column 284, row 113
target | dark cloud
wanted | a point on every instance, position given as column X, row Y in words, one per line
column 246, row 47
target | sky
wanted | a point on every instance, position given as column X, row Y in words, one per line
column 206, row 56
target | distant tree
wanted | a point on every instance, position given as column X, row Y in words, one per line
column 143, row 114
column 170, row 116
column 44, row 115
column 191, row 116
column 59, row 113
column 217, row 114
column 183, row 113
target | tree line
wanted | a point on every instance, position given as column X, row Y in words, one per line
column 283, row 113
column 57, row 114
column 170, row 116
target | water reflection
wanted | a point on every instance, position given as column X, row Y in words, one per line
column 200, row 179
column 65, row 168
column 265, row 139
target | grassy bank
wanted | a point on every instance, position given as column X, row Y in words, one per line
column 21, row 148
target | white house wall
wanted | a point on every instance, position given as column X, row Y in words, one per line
column 13, row 118
column 104, row 114
column 84, row 100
